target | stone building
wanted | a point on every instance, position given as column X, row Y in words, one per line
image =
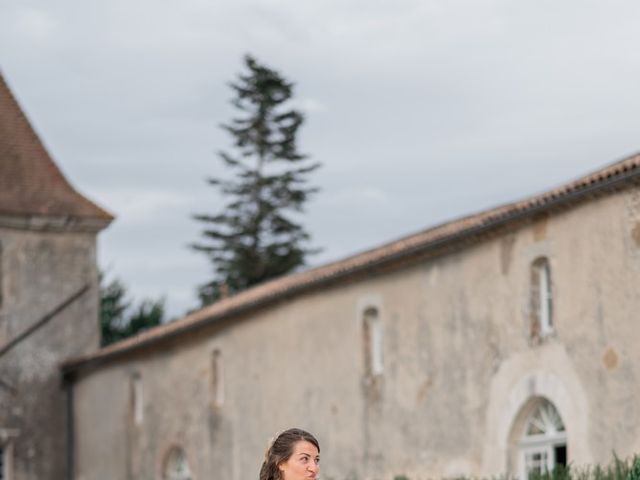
column 502, row 342
column 48, row 297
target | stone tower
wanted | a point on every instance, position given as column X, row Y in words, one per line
column 48, row 296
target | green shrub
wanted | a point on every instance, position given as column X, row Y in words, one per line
column 634, row 471
column 617, row 469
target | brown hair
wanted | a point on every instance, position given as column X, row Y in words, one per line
column 280, row 449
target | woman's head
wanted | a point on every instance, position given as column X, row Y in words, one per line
column 292, row 455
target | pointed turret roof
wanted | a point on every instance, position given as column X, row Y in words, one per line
column 30, row 182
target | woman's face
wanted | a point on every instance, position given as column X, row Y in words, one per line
column 303, row 464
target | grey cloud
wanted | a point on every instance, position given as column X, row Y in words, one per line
column 432, row 109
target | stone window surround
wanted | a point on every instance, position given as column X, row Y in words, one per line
column 552, row 434
column 137, row 399
column 175, row 449
column 6, row 443
column 513, row 388
column 541, row 301
column 371, row 326
column 217, row 378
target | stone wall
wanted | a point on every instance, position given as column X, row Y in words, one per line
column 39, row 270
column 459, row 366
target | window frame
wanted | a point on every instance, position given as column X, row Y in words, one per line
column 217, row 378
column 137, row 399
column 6, row 451
column 373, row 336
column 544, row 444
column 178, row 452
column 541, row 299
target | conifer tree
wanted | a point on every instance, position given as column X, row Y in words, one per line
column 119, row 318
column 256, row 236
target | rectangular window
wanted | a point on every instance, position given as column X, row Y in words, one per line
column 541, row 299
column 6, row 460
column 217, row 379
column 543, row 459
column 376, row 348
column 1, row 282
column 536, row 462
column 373, row 343
column 137, row 399
column 546, row 323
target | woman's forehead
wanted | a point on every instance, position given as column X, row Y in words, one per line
column 302, row 446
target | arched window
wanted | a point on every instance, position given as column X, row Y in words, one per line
column 541, row 299
column 176, row 465
column 372, row 339
column 544, row 441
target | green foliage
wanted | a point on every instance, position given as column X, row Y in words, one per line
column 255, row 237
column 119, row 319
column 560, row 472
column 617, row 469
column 634, row 471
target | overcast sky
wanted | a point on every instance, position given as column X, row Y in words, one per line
column 419, row 111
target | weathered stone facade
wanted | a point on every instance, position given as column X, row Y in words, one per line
column 458, row 372
column 428, row 357
column 48, row 297
column 40, row 271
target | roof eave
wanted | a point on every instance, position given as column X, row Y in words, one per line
column 62, row 223
column 496, row 219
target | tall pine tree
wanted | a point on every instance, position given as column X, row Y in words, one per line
column 256, row 236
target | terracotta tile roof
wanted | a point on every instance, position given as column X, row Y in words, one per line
column 30, row 182
column 419, row 245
